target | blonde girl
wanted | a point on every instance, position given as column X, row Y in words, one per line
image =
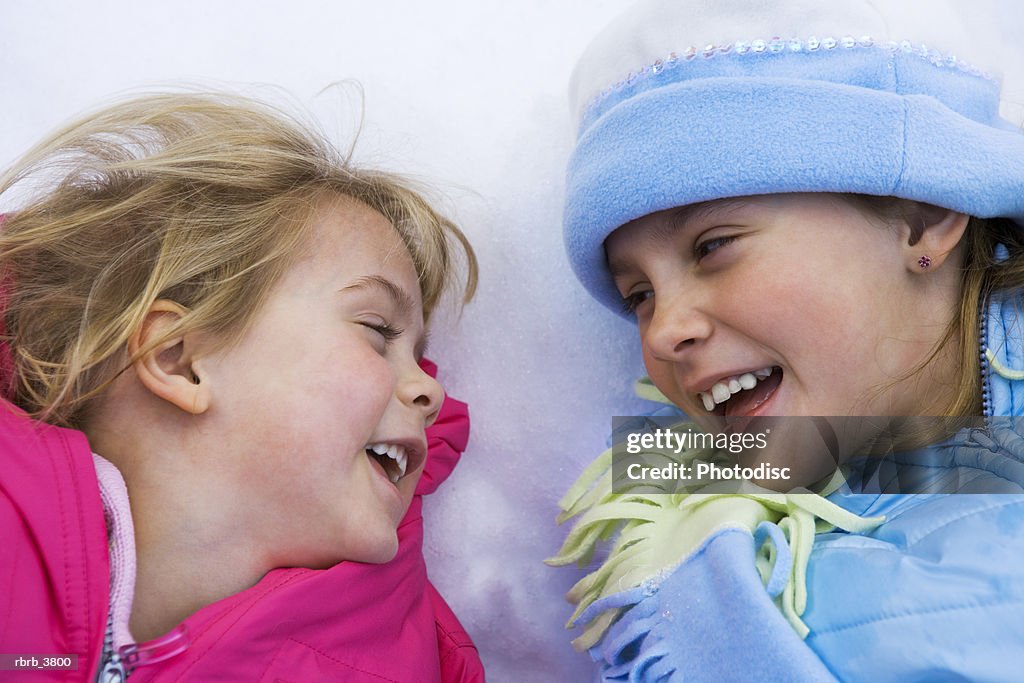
column 232, row 317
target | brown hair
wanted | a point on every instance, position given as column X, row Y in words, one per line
column 204, row 199
column 982, row 275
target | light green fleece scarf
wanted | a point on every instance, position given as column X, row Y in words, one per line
column 655, row 532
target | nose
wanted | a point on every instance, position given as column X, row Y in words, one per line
column 419, row 390
column 676, row 326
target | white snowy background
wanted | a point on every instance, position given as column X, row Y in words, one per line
column 470, row 97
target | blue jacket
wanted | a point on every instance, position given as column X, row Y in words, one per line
column 935, row 593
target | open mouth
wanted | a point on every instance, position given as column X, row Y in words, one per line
column 391, row 457
column 741, row 394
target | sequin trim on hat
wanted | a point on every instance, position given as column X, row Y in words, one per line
column 778, row 45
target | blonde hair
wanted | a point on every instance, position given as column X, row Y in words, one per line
column 983, row 276
column 204, row 199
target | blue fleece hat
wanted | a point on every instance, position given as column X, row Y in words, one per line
column 684, row 102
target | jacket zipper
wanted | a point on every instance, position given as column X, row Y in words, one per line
column 113, row 670
column 983, row 365
column 118, row 664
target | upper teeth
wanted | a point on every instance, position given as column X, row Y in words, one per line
column 396, row 453
column 723, row 389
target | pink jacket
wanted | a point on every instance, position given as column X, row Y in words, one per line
column 353, row 622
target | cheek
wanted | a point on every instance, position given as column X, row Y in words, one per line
column 354, row 386
column 783, row 299
column 335, row 395
column 364, row 371
column 820, row 325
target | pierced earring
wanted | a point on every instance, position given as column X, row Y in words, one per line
column 924, row 261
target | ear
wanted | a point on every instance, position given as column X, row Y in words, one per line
column 930, row 235
column 170, row 369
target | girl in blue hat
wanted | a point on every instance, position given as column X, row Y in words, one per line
column 808, row 210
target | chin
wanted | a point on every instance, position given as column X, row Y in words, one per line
column 379, row 551
column 373, row 550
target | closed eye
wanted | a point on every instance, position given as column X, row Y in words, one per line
column 387, row 331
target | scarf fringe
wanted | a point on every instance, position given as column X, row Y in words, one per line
column 652, row 534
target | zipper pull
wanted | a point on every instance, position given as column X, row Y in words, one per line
column 113, row 671
column 152, row 651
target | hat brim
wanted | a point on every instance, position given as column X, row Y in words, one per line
column 713, row 138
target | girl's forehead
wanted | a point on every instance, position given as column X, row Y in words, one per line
column 654, row 231
column 665, row 224
column 339, row 215
column 348, row 241
column 680, row 216
column 346, row 228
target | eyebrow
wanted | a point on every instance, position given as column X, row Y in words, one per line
column 682, row 215
column 617, row 270
column 677, row 218
column 399, row 297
